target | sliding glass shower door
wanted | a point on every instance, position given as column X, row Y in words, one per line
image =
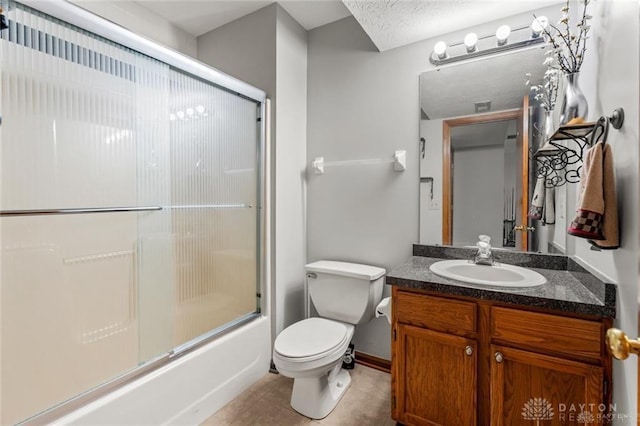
column 129, row 197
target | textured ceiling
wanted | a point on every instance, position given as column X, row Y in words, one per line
column 394, row 23
column 389, row 23
column 197, row 17
column 453, row 91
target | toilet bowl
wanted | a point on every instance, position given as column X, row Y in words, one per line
column 311, row 351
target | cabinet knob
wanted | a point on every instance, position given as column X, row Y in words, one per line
column 499, row 357
column 468, row 350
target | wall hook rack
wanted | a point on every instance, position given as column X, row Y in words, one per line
column 399, row 161
column 561, row 163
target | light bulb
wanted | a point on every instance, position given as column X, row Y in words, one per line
column 470, row 41
column 189, row 111
column 502, row 34
column 538, row 25
column 180, row 114
column 172, row 117
column 200, row 109
column 440, row 49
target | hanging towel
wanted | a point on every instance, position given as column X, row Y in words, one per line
column 549, row 215
column 597, row 211
column 537, row 201
column 610, row 226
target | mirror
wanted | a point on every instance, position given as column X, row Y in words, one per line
column 478, row 130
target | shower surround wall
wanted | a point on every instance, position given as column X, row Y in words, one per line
column 88, row 297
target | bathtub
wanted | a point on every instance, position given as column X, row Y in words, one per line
column 189, row 389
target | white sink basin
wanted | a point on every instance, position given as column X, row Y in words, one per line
column 498, row 275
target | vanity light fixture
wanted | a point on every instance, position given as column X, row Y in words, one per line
column 474, row 45
column 538, row 25
column 440, row 49
column 502, row 34
column 470, row 41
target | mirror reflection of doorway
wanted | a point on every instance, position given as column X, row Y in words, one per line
column 483, row 187
column 484, row 167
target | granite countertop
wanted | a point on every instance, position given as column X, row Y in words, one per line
column 569, row 288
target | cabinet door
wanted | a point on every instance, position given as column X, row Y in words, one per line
column 435, row 381
column 529, row 388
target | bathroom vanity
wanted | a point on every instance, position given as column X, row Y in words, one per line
column 465, row 354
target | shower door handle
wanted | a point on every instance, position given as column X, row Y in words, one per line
column 77, row 211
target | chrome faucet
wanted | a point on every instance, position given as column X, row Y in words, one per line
column 484, row 255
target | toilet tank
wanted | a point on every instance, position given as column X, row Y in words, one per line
column 347, row 292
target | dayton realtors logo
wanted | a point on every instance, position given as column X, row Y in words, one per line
column 537, row 409
column 540, row 410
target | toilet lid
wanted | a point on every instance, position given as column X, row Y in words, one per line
column 309, row 337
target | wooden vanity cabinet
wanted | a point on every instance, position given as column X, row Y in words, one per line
column 524, row 382
column 465, row 362
column 425, row 393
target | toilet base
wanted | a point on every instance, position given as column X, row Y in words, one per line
column 316, row 397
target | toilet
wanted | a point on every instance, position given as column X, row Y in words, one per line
column 311, row 351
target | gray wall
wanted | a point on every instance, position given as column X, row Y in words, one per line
column 290, row 163
column 362, row 104
column 431, row 166
column 245, row 49
column 268, row 49
column 478, row 197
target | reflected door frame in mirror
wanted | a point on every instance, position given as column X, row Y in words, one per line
column 523, row 164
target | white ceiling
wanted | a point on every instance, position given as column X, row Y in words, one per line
column 388, row 23
column 197, row 17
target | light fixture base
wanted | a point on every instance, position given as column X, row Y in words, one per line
column 491, row 51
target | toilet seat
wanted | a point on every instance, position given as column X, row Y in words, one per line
column 312, row 339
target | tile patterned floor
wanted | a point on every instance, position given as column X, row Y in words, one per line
column 266, row 403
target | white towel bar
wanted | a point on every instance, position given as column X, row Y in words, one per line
column 399, row 162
